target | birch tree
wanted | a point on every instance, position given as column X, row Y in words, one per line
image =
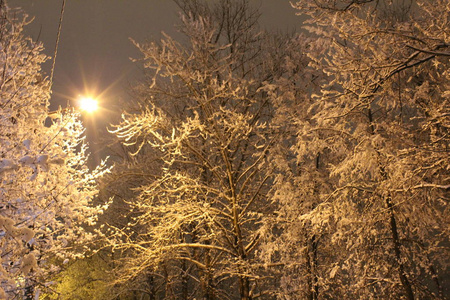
column 46, row 188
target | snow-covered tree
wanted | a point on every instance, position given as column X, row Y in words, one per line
column 290, row 243
column 46, row 188
column 205, row 117
column 373, row 154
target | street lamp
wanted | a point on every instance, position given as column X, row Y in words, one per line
column 88, row 104
column 84, row 104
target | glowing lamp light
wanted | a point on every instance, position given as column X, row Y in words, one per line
column 88, row 104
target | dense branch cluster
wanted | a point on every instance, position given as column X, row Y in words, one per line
column 46, row 188
column 250, row 165
column 304, row 167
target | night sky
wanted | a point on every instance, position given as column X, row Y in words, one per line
column 94, row 49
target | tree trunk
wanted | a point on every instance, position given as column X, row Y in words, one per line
column 244, row 286
column 151, row 284
column 184, row 281
column 401, row 270
column 311, row 265
column 29, row 291
column 393, row 223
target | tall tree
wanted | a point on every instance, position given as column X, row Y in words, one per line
column 195, row 226
column 45, row 186
column 376, row 141
column 291, row 240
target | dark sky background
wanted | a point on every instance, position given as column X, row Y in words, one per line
column 94, row 48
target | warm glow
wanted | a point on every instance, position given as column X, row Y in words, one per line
column 88, row 104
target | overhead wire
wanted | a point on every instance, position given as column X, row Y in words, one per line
column 57, row 42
